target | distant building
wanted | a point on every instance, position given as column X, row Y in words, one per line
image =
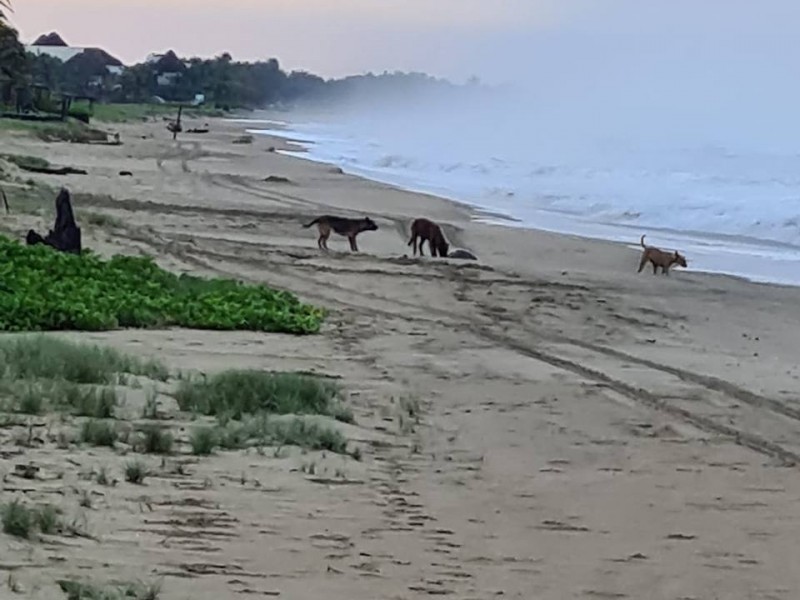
column 54, row 45
column 168, row 67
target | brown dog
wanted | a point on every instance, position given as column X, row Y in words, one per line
column 349, row 228
column 428, row 231
column 659, row 258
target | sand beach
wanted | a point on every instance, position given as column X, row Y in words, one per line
column 544, row 423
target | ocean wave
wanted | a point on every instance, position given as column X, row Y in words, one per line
column 707, row 188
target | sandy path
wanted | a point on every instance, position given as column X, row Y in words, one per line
column 584, row 432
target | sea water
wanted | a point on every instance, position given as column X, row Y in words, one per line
column 731, row 210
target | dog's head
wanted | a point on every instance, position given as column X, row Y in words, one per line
column 444, row 248
column 369, row 224
column 679, row 259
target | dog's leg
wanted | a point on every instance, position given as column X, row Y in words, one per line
column 415, row 244
column 353, row 245
column 655, row 269
column 421, row 244
column 642, row 263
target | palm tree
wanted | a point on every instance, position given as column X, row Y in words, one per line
column 13, row 60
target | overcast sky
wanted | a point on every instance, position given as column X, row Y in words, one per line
column 499, row 40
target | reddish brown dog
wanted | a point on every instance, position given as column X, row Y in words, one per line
column 659, row 258
column 428, row 231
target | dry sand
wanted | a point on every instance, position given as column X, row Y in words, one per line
column 586, row 432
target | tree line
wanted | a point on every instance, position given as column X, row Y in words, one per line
column 222, row 81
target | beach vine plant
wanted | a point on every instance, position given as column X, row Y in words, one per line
column 44, row 290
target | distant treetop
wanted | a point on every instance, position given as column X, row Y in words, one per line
column 50, row 39
column 169, row 63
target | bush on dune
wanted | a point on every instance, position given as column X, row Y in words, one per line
column 41, row 289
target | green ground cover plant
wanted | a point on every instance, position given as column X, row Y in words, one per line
column 42, row 289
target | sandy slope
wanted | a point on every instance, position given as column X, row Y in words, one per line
column 586, row 432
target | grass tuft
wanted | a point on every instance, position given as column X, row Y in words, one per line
column 233, row 394
column 22, row 521
column 78, row 590
column 155, row 439
column 135, row 472
column 311, row 436
column 48, row 519
column 99, row 403
column 203, row 441
column 99, row 433
column 262, row 431
column 18, row 519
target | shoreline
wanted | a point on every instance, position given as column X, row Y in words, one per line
column 694, row 243
column 756, row 260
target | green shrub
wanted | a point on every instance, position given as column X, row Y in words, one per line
column 203, row 441
column 48, row 290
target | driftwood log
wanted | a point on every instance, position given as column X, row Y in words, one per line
column 65, row 235
column 53, row 170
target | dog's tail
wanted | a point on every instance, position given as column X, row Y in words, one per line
column 314, row 222
column 641, row 241
column 413, row 232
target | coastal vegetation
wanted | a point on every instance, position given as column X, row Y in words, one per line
column 221, row 81
column 47, row 290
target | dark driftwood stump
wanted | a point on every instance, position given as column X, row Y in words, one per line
column 66, row 235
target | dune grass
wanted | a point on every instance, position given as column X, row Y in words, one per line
column 41, row 356
column 99, row 433
column 23, row 521
column 203, row 440
column 155, row 439
column 81, row 590
column 136, row 472
column 263, row 431
column 233, row 394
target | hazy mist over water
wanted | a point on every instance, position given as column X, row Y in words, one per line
column 677, row 116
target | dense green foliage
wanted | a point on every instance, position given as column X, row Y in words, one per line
column 222, row 81
column 41, row 289
column 13, row 60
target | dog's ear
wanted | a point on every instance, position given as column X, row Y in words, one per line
column 677, row 255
